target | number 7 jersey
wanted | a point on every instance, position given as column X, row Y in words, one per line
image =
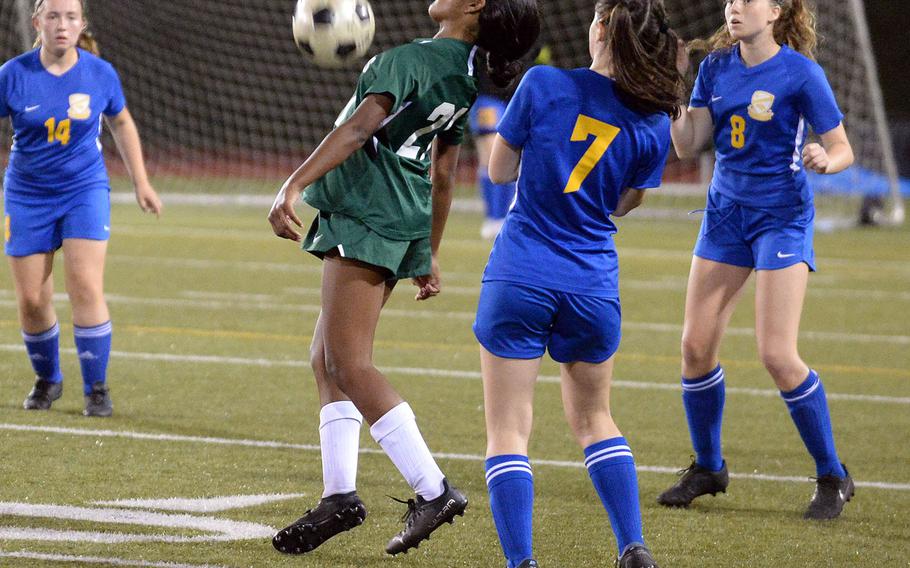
column 386, row 184
column 581, row 146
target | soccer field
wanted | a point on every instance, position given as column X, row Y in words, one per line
column 214, row 442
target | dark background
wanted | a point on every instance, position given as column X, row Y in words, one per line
column 889, row 24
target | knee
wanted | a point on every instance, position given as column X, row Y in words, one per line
column 33, row 304
column 83, row 294
column 342, row 374
column 783, row 364
column 697, row 352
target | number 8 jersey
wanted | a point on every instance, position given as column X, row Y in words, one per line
column 580, row 147
column 57, row 124
column 760, row 115
column 386, row 184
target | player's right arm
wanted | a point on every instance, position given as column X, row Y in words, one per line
column 691, row 131
column 694, row 127
column 331, row 152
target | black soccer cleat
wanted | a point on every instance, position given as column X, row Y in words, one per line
column 529, row 563
column 98, row 401
column 636, row 556
column 43, row 394
column 831, row 494
column 423, row 517
column 332, row 515
column 695, row 481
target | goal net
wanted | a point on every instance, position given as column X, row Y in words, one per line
column 226, row 104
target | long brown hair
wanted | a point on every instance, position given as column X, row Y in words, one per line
column 86, row 38
column 642, row 50
column 795, row 27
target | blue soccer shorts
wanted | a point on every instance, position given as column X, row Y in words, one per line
column 486, row 114
column 519, row 321
column 39, row 225
column 763, row 239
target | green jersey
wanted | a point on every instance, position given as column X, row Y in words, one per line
column 386, row 183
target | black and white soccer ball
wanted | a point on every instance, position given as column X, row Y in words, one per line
column 333, row 33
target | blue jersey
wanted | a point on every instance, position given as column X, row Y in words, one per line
column 57, row 123
column 580, row 147
column 760, row 115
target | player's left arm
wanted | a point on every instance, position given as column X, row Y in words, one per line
column 833, row 155
column 126, row 135
column 629, row 199
column 442, row 175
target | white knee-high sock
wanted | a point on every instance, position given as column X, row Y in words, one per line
column 339, row 442
column 399, row 436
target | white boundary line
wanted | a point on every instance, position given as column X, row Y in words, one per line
column 447, row 373
column 98, row 560
column 441, row 455
column 658, row 327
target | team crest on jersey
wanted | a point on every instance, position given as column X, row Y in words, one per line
column 80, row 106
column 760, row 109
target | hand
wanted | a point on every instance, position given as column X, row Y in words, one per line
column 428, row 284
column 148, row 199
column 815, row 158
column 282, row 214
column 682, row 57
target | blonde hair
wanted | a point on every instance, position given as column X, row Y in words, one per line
column 86, row 38
column 795, row 27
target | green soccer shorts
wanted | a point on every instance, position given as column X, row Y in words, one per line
column 353, row 239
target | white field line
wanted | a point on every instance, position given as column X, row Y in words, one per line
column 273, row 306
column 203, row 504
column 448, row 373
column 441, row 455
column 23, row 554
column 462, row 205
column 221, row 529
column 672, row 285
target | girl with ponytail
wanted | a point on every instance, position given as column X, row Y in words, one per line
column 755, row 94
column 56, row 193
column 587, row 143
column 382, row 183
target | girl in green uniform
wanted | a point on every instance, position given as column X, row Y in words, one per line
column 381, row 218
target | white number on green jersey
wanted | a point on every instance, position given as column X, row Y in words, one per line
column 444, row 113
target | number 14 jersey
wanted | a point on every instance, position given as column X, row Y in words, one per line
column 580, row 147
column 386, row 184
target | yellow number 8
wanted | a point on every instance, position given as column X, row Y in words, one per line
column 738, row 134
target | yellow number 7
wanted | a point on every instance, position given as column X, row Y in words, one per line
column 604, row 134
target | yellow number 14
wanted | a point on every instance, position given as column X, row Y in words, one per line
column 58, row 132
column 604, row 134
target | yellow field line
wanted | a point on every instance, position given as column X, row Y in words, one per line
column 429, row 345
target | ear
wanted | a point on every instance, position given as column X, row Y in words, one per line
column 776, row 11
column 601, row 30
column 474, row 6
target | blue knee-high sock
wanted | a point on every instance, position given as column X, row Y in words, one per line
column 612, row 469
column 511, row 487
column 809, row 409
column 93, row 344
column 44, row 353
column 703, row 399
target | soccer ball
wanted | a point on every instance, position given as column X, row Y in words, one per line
column 333, row 32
